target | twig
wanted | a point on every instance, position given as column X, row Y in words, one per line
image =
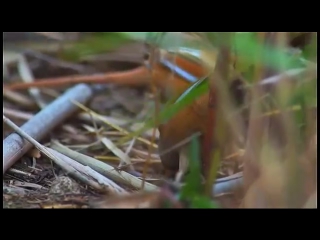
column 17, row 171
column 13, row 190
column 14, row 146
column 228, row 184
column 18, row 98
column 130, row 146
column 292, row 73
column 28, row 185
column 113, row 148
column 135, row 77
column 17, row 114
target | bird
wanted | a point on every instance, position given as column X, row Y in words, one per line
column 193, row 120
column 188, row 69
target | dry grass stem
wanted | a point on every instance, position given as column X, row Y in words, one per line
column 27, row 76
column 103, row 168
column 110, row 124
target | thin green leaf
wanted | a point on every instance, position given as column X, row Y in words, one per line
column 193, row 178
column 203, row 202
column 247, row 46
column 192, row 191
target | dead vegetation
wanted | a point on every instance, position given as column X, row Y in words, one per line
column 76, row 148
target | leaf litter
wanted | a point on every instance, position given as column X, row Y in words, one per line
column 36, row 184
column 91, row 139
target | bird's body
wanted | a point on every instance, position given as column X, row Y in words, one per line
column 189, row 121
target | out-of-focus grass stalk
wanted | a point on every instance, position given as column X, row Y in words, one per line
column 255, row 128
column 283, row 94
column 285, row 166
column 219, row 95
column 153, row 62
